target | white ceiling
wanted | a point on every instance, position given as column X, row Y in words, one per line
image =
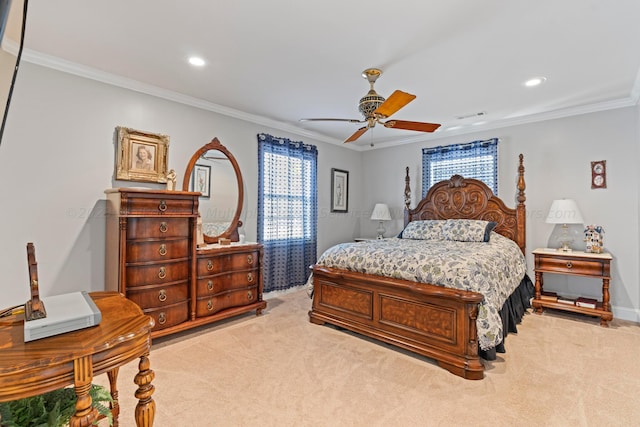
column 276, row 61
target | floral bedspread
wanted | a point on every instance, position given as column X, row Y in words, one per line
column 493, row 269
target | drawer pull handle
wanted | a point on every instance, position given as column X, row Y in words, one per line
column 162, row 206
column 210, row 305
column 249, row 295
column 162, row 273
column 162, row 296
column 250, row 277
column 250, row 259
column 210, row 285
column 569, row 265
column 163, row 250
column 162, row 318
column 163, row 227
column 209, row 265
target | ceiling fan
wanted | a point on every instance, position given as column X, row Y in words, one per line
column 375, row 109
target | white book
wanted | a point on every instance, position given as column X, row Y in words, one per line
column 65, row 313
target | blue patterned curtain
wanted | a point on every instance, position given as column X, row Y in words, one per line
column 287, row 210
column 477, row 159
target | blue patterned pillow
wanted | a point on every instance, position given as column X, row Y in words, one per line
column 423, row 230
column 467, row 230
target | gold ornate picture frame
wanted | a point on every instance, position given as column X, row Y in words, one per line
column 141, row 156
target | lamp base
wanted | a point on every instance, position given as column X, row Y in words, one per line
column 381, row 231
column 565, row 239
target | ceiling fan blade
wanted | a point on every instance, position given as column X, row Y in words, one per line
column 396, row 101
column 357, row 134
column 332, row 120
column 417, row 126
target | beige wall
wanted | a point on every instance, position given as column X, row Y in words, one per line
column 57, row 157
column 557, row 156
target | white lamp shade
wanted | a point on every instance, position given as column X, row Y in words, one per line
column 381, row 212
column 564, row 211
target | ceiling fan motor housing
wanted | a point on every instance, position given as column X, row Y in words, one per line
column 370, row 103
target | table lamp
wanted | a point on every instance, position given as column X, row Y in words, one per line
column 564, row 211
column 381, row 213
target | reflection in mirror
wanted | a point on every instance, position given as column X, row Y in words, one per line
column 218, row 210
column 214, row 172
column 12, row 23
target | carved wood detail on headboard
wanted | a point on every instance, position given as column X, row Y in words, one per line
column 466, row 198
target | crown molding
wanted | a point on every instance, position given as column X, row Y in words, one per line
column 69, row 67
column 59, row 64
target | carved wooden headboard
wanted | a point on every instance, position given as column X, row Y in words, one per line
column 465, row 198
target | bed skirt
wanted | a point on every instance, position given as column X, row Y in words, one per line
column 512, row 312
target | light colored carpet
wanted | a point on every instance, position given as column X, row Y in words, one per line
column 278, row 369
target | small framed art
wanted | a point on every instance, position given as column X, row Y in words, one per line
column 599, row 174
column 339, row 190
column 201, row 179
column 141, row 156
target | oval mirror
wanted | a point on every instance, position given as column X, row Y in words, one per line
column 214, row 172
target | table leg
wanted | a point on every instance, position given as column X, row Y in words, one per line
column 85, row 414
column 146, row 407
column 606, row 306
column 539, row 285
column 605, row 295
column 113, row 388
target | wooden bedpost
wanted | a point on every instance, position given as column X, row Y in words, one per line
column 407, row 196
column 520, row 209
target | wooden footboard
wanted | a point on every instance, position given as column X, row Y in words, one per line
column 430, row 320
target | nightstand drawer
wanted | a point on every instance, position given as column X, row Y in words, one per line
column 571, row 266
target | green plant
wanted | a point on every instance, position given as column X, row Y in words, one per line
column 52, row 409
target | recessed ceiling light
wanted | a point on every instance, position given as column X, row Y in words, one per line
column 198, row 62
column 535, row 81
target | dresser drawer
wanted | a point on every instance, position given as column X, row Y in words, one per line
column 206, row 306
column 157, row 250
column 152, row 204
column 226, row 281
column 157, row 273
column 571, row 266
column 169, row 316
column 156, row 228
column 159, row 295
column 219, row 263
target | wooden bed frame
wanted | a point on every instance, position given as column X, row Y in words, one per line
column 436, row 322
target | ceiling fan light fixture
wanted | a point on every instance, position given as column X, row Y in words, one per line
column 370, row 103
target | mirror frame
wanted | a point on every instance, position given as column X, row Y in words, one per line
column 231, row 232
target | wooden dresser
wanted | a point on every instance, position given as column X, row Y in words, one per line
column 229, row 280
column 151, row 259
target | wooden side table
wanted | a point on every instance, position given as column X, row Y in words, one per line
column 575, row 263
column 36, row 367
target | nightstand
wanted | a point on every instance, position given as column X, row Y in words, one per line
column 575, row 263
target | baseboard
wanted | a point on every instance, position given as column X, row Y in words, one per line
column 624, row 313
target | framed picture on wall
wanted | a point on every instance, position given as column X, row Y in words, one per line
column 339, row 190
column 141, row 156
column 201, row 179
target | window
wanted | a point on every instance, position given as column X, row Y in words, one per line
column 477, row 159
column 287, row 210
